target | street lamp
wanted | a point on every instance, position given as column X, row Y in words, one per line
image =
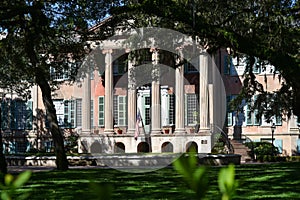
column 273, row 127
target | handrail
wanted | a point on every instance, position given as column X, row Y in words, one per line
column 224, row 137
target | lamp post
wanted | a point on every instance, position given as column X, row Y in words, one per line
column 273, row 127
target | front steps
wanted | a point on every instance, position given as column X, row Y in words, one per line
column 241, row 149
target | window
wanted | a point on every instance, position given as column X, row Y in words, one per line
column 229, row 112
column 251, row 116
column 92, row 113
column 189, row 68
column 118, row 67
column 256, row 67
column 171, row 109
column 227, row 64
column 21, row 115
column 78, row 112
column 70, row 114
column 59, row 107
column 101, row 111
column 120, row 110
column 63, row 73
column 191, row 109
column 5, row 122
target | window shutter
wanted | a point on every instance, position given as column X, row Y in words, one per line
column 115, row 110
column 227, row 64
column 172, row 109
column 78, row 112
column 256, row 67
column 256, row 120
column 278, row 120
column 248, row 116
column 229, row 113
column 122, row 110
column 92, row 114
column 29, row 115
column 13, row 117
column 4, row 115
column 278, row 144
column 101, row 111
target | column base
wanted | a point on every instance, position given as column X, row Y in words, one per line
column 158, row 131
column 130, row 131
column 86, row 132
column 179, row 131
column 109, row 131
column 204, row 131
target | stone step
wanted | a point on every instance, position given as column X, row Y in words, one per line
column 241, row 149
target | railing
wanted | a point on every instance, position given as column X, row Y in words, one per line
column 223, row 136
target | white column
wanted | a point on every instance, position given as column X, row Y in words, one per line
column 203, row 93
column 179, row 96
column 86, row 104
column 108, row 100
column 131, row 98
column 155, row 96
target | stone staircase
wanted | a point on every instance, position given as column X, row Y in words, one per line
column 241, row 149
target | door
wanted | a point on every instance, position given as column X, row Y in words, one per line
column 145, row 111
column 144, row 106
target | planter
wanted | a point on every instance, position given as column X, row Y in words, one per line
column 119, row 131
column 167, row 131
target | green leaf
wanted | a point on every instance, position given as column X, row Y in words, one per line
column 227, row 182
column 22, row 179
column 5, row 195
column 8, row 179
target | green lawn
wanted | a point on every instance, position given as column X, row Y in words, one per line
column 256, row 181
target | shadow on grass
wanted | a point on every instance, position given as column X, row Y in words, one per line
column 261, row 181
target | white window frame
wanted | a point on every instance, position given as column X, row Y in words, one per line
column 101, row 109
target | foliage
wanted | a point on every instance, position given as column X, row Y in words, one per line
column 264, row 151
column 12, row 184
column 197, row 177
column 40, row 40
column 71, row 143
column 268, row 30
column 227, row 182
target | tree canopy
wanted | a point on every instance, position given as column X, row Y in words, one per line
column 268, row 30
column 37, row 36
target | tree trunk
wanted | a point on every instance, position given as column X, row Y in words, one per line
column 3, row 165
column 57, row 135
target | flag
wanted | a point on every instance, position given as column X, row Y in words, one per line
column 137, row 123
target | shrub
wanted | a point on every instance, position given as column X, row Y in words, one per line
column 263, row 151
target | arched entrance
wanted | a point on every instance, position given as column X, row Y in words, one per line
column 96, row 147
column 143, row 147
column 167, row 147
column 192, row 146
column 119, row 147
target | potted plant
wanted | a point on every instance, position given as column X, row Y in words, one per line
column 119, row 131
column 167, row 131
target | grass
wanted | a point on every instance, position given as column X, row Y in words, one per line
column 256, row 181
